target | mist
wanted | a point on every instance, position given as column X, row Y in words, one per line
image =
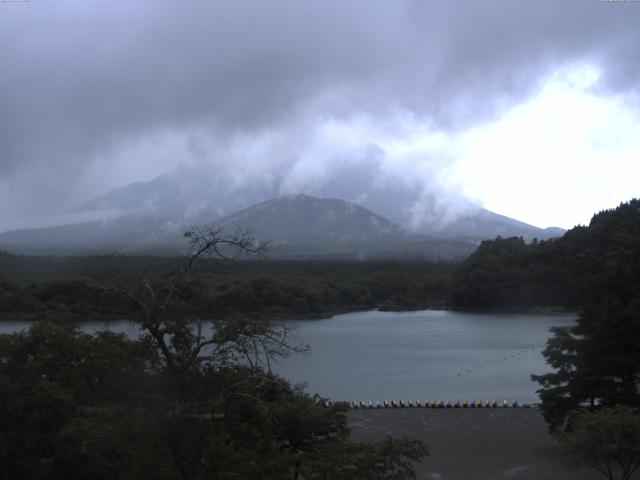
column 376, row 102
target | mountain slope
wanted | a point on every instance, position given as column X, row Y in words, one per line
column 188, row 194
column 298, row 226
column 480, row 223
column 295, row 225
column 299, row 222
column 310, row 227
column 296, row 218
column 194, row 195
column 124, row 234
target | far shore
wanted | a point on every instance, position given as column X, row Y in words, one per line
column 287, row 316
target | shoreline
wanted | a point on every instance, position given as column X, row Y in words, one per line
column 291, row 316
column 472, row 444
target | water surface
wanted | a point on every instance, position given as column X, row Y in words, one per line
column 410, row 355
column 425, row 355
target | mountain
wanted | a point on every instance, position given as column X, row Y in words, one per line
column 554, row 232
column 481, row 224
column 186, row 194
column 317, row 221
column 305, row 226
column 297, row 223
column 150, row 216
column 196, row 194
column 294, row 225
column 127, row 234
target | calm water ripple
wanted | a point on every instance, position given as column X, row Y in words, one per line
column 410, row 355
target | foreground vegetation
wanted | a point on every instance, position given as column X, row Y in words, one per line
column 76, row 406
column 180, row 403
column 607, row 440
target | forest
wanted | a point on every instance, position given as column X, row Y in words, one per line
column 587, row 265
column 85, row 286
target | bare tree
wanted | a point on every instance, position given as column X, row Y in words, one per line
column 180, row 337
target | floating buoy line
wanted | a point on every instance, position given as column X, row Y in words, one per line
column 516, row 355
column 374, row 404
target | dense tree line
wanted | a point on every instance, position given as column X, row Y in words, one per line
column 85, row 286
column 586, row 265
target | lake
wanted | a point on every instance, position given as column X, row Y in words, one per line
column 424, row 354
column 411, row 355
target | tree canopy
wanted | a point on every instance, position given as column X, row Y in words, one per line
column 607, row 440
column 596, row 362
column 587, row 265
column 178, row 403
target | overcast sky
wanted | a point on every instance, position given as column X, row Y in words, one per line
column 529, row 108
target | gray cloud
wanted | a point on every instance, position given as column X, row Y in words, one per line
column 81, row 83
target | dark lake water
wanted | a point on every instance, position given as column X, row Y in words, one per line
column 423, row 355
column 411, row 355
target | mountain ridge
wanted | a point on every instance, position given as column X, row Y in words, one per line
column 196, row 194
column 266, row 218
column 295, row 224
